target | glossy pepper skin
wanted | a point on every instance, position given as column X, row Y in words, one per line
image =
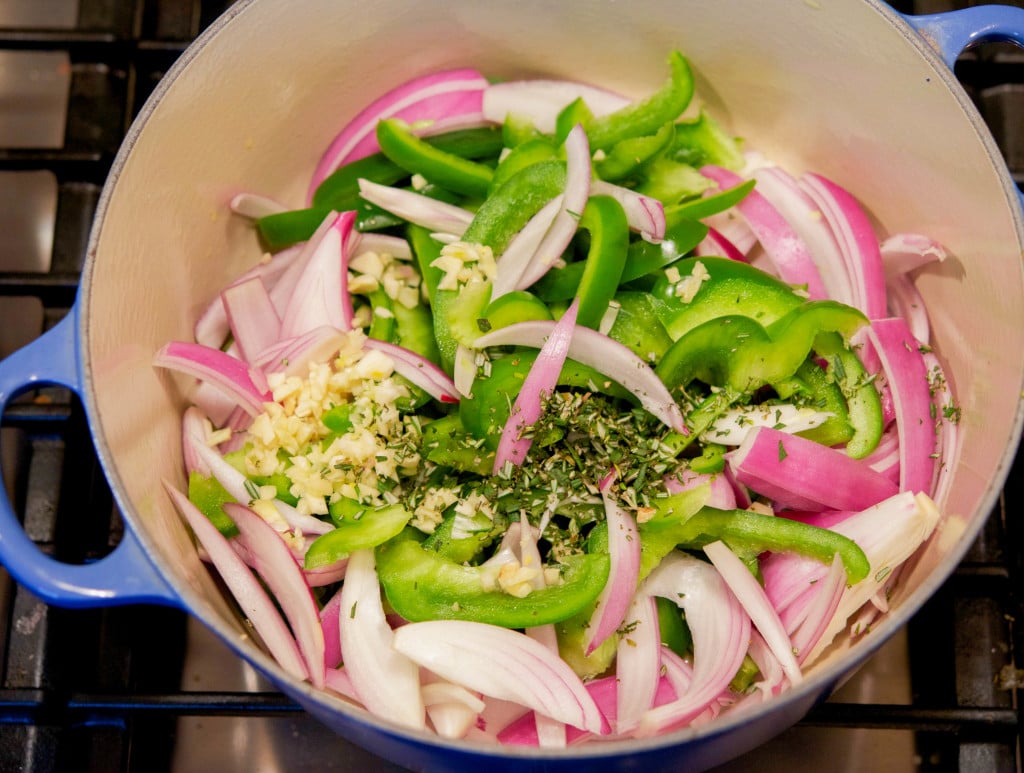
column 420, row 585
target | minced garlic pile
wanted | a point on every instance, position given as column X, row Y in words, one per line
column 364, row 463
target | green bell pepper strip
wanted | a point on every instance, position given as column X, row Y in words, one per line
column 209, row 496
column 374, row 527
column 645, row 116
column 605, row 220
column 675, row 633
column 426, row 250
column 671, row 181
column 625, row 158
column 711, row 460
column 637, row 327
column 512, row 307
column 518, row 129
column 528, row 153
column 340, row 190
column 460, row 551
column 485, row 413
column 457, row 318
column 441, row 168
column 447, row 443
column 422, row 585
column 642, row 258
column 862, row 399
column 737, row 352
column 576, row 112
column 382, row 323
column 414, row 330
column 821, row 392
column 504, row 213
column 705, row 206
column 755, row 533
column 731, row 288
column 702, row 141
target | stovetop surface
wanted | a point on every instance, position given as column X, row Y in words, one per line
column 147, row 688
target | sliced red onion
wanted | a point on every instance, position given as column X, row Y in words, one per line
column 784, row 193
column 787, row 250
column 330, row 622
column 678, row 673
column 721, row 494
column 637, row 663
column 527, row 672
column 732, row 427
column 827, row 595
column 716, row 243
column 624, row 555
column 907, row 376
column 326, row 575
column 721, row 634
column 246, row 589
column 416, row 208
column 464, row 370
column 385, row 244
column 567, row 220
column 734, row 229
column 251, row 315
column 292, row 356
column 756, row 604
column 193, row 422
column 211, row 328
column 321, row 294
column 889, row 534
column 644, row 214
column 541, row 379
column 419, row 370
column 234, row 483
column 946, row 425
column 228, row 374
column 420, row 100
column 772, row 676
column 385, row 679
column 542, row 100
column 605, row 355
column 214, row 404
column 520, row 251
column 339, row 681
column 856, row 239
column 805, row 475
column 255, row 205
column 452, row 709
column 905, row 301
column 283, row 290
column 274, row 563
column 903, row 253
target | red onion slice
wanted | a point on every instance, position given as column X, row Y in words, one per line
column 788, row 252
column 274, row 563
column 542, row 100
column 721, row 494
column 320, row 297
column 339, row 681
column 624, row 554
column 605, row 355
column 721, row 634
column 416, row 208
column 827, row 595
column 946, row 424
column 426, row 99
column 526, row 672
column 386, row 681
column 805, row 475
column 541, row 379
column 228, row 374
column 255, row 205
column 246, row 589
column 330, row 622
column 717, row 243
column 419, row 370
column 756, row 604
column 637, row 664
column 644, row 214
column 395, row 246
column 292, row 356
column 911, row 392
column 856, row 239
column 251, row 316
column 903, row 253
column 567, row 220
column 521, row 250
column 784, row 193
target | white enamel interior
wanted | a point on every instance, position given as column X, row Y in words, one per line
column 837, row 86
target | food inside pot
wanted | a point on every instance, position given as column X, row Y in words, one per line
column 555, row 416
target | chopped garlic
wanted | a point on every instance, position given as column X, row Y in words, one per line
column 686, row 288
column 464, row 263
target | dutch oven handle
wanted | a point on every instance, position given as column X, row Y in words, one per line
column 951, row 32
column 126, row 575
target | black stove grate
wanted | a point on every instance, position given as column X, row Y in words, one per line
column 100, row 690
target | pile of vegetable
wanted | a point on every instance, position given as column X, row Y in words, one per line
column 554, row 416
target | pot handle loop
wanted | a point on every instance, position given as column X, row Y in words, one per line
column 125, row 575
column 952, row 32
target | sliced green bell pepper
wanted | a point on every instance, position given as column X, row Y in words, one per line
column 422, row 585
column 209, row 497
column 528, row 153
column 627, row 156
column 446, row 442
column 373, row 527
column 605, row 220
column 416, row 156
